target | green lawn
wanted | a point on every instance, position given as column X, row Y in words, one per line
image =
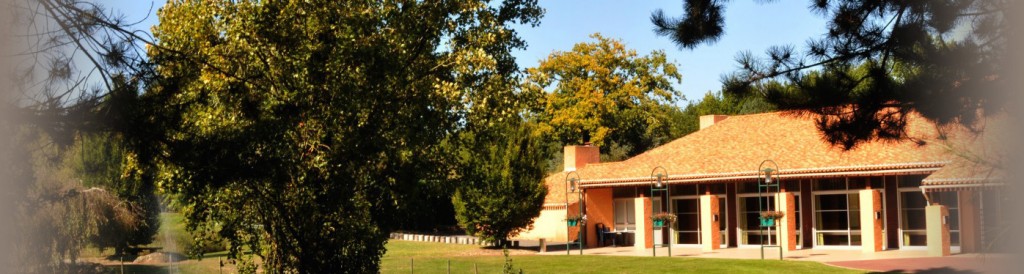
column 434, row 258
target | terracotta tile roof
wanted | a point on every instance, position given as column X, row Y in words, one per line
column 732, row 149
column 970, row 168
column 962, row 173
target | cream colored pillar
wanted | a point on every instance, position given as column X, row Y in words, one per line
column 870, row 220
column 938, row 230
column 786, row 202
column 643, row 237
column 710, row 238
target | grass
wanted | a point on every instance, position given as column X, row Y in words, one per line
column 434, row 258
column 172, row 225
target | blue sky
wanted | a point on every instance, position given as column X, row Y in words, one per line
column 749, row 26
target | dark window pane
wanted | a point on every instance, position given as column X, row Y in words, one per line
column 688, row 221
column 624, row 192
column 948, row 199
column 686, row 189
column 877, row 182
column 911, row 181
column 687, row 205
column 915, row 239
column 753, row 223
column 746, row 187
column 689, row 238
column 913, row 219
column 755, row 239
column 857, row 183
column 831, row 202
column 913, row 200
column 833, row 238
column 792, row 185
column 830, row 184
column 833, row 220
column 717, row 189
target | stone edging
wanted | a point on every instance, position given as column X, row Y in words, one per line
column 466, row 240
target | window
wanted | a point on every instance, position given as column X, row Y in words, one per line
column 913, row 217
column 749, row 221
column 912, row 223
column 837, row 219
column 687, row 221
column 624, row 215
column 688, row 226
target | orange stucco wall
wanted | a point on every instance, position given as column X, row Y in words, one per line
column 599, row 211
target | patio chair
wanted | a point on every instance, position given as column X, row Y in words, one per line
column 603, row 234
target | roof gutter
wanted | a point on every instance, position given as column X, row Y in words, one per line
column 751, row 177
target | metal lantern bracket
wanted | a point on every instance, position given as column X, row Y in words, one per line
column 658, row 184
column 767, row 186
column 572, row 186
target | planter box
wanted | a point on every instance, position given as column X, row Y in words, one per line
column 659, row 223
column 572, row 222
column 767, row 222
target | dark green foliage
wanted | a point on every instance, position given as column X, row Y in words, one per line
column 879, row 61
column 688, row 121
column 308, row 130
column 501, row 187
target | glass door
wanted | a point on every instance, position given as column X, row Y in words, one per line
column 749, row 222
column 687, row 221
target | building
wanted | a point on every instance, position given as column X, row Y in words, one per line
column 880, row 195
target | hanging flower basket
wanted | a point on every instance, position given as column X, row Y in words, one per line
column 575, row 220
column 663, row 219
column 768, row 217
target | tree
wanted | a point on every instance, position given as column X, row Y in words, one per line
column 606, row 94
column 101, row 161
column 309, row 127
column 502, row 188
column 58, row 215
column 941, row 59
column 688, row 121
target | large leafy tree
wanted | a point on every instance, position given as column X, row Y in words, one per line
column 604, row 93
column 502, row 187
column 301, row 129
column 878, row 61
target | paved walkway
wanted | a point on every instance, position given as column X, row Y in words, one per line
column 965, row 263
column 891, row 261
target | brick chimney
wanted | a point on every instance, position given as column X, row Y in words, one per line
column 577, row 157
column 709, row 120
